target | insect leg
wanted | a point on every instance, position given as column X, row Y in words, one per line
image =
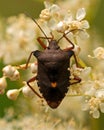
column 28, row 60
column 28, row 83
column 41, row 42
column 69, row 48
column 76, row 62
column 25, row 66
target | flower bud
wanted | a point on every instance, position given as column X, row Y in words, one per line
column 8, row 71
column 33, row 68
column 101, row 107
column 99, row 53
column 61, row 26
column 77, row 49
column 15, row 76
column 2, row 91
column 45, row 14
column 3, row 83
column 13, row 94
column 96, row 114
column 11, row 72
column 27, row 92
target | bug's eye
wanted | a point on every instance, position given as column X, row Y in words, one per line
column 37, row 53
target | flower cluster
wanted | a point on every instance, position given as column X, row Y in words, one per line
column 91, row 88
column 95, row 105
column 13, row 74
column 56, row 20
column 19, row 41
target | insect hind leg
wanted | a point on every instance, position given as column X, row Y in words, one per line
column 28, row 83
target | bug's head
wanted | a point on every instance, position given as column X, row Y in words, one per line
column 53, row 45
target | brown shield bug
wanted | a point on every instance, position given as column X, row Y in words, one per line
column 53, row 76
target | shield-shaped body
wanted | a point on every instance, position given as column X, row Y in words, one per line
column 53, row 74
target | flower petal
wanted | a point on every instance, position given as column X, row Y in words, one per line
column 47, row 4
column 85, row 24
column 96, row 114
column 83, row 35
column 54, row 8
column 80, row 14
column 13, row 94
column 102, row 107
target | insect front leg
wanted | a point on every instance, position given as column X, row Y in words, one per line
column 28, row 83
column 42, row 43
column 76, row 79
column 28, row 60
column 71, row 48
column 25, row 66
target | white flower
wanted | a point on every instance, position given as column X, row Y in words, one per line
column 81, row 13
column 49, row 12
column 16, row 75
column 96, row 114
column 33, row 67
column 99, row 53
column 11, row 72
column 77, row 49
column 13, row 94
column 8, row 71
column 45, row 14
column 100, row 93
column 85, row 106
column 3, row 83
column 61, row 26
column 27, row 92
column 101, row 106
column 85, row 74
column 19, row 39
column 2, row 91
column 79, row 23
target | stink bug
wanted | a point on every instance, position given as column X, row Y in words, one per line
column 53, row 76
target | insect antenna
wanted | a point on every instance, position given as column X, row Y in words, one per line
column 68, row 33
column 41, row 29
column 38, row 26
